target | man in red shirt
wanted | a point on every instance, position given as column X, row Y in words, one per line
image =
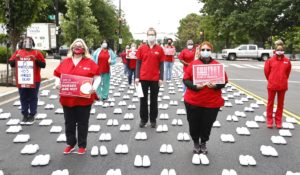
column 29, row 96
column 124, row 61
column 169, row 59
column 149, row 72
column 131, row 62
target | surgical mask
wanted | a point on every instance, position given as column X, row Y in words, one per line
column 78, row 50
column 279, row 52
column 104, row 45
column 151, row 39
column 205, row 54
column 132, row 48
column 190, row 47
column 27, row 44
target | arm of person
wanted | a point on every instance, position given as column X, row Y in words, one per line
column 288, row 72
column 267, row 69
column 97, row 81
column 40, row 60
column 12, row 59
column 189, row 84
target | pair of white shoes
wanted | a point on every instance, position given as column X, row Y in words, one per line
column 98, row 103
column 59, row 111
column 131, row 107
column 246, row 160
column 229, row 172
column 121, row 149
column 135, row 100
column 171, row 88
column 291, row 120
column 225, row 98
column 173, row 103
column 102, row 151
column 164, row 116
column 101, row 116
column 114, row 172
column 238, row 102
column 21, row 138
column 105, row 137
column 117, row 94
column 41, row 160
column 291, row 173
column 242, row 131
column 122, row 103
column 166, row 97
column 93, row 111
column 168, row 172
column 117, row 111
column 105, row 105
column 252, row 124
column 46, row 122
column 30, row 149
column 278, row 140
column 200, row 159
column 14, row 129
column 268, row 151
column 232, row 118
column 111, row 104
column 183, row 136
column 228, row 104
column 16, row 103
column 41, row 116
column 126, row 97
column 53, row 97
column 125, row 127
column 248, row 109
column 227, row 138
column 141, row 136
column 61, row 138
column 172, row 92
column 240, row 114
column 287, row 125
column 129, row 116
column 112, row 122
column 163, row 106
column 49, row 106
column 166, row 148
column 94, row 128
column 285, row 133
column 13, row 122
column 4, row 116
column 55, row 129
column 162, row 128
column 254, row 105
column 259, row 118
column 244, row 99
column 177, row 122
column 60, row 172
column 140, row 161
column 181, row 112
column 216, row 124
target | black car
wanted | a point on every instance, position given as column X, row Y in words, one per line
column 63, row 50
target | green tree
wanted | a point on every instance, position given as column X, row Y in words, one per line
column 80, row 22
column 49, row 9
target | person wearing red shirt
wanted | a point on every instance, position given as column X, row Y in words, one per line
column 29, row 96
column 149, row 72
column 277, row 71
column 202, row 101
column 170, row 51
column 131, row 61
column 124, row 61
column 186, row 56
column 77, row 109
column 104, row 57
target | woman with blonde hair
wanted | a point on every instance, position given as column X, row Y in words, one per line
column 77, row 109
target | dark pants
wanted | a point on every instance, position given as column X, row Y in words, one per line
column 200, row 121
column 29, row 100
column 131, row 72
column 154, row 88
column 78, row 115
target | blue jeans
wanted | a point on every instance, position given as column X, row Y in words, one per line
column 168, row 70
column 130, row 73
column 125, row 69
column 29, row 100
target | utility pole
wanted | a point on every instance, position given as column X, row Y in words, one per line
column 8, row 32
column 120, row 24
column 57, row 26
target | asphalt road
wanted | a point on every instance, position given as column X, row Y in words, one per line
column 221, row 155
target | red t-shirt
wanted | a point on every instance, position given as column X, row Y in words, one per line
column 123, row 57
column 37, row 54
column 187, row 56
column 131, row 64
column 86, row 67
column 151, row 59
column 206, row 97
column 103, row 61
column 169, row 58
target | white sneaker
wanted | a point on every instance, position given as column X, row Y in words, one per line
column 14, row 129
column 36, row 160
column 122, row 127
column 216, row 124
column 94, row 151
column 228, row 118
column 124, row 149
column 107, row 137
column 163, row 148
column 118, row 149
column 138, row 162
column 103, row 150
column 204, row 160
column 115, row 122
column 55, row 129
column 243, row 160
column 165, row 128
column 110, row 172
column 251, row 160
column 101, row 116
column 226, row 172
column 117, row 172
column 138, row 136
column 234, row 118
column 146, row 161
column 45, row 159
column 196, row 159
column 127, row 127
column 159, row 128
column 109, row 122
column 164, row 172
column 21, row 138
column 180, row 136
column 102, row 137
column 61, row 138
column 186, row 137
column 143, row 136
column 285, row 133
column 94, row 128
column 232, row 172
column 172, row 172
column 174, row 122
column 179, row 122
column 169, row 149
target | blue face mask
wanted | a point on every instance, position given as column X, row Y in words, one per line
column 205, row 54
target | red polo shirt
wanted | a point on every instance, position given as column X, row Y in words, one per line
column 37, row 54
column 151, row 59
column 187, row 56
column 169, row 58
column 206, row 97
column 103, row 61
column 86, row 67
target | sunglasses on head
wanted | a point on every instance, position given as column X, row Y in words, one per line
column 205, row 50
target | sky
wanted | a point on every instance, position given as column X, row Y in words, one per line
column 163, row 15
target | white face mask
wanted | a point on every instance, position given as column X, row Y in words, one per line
column 190, row 47
column 278, row 52
column 132, row 48
column 104, row 45
column 205, row 54
column 151, row 39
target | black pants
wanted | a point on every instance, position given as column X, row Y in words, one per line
column 77, row 116
column 154, row 88
column 200, row 121
column 29, row 100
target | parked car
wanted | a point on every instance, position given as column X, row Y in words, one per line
column 63, row 50
column 247, row 51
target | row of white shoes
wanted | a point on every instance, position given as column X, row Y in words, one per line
column 114, row 172
column 252, row 124
column 163, row 106
column 162, row 128
column 181, row 112
column 46, row 122
column 177, row 122
column 112, row 122
column 13, row 122
column 121, row 149
column 61, row 138
column 229, row 172
column 268, row 151
column 102, row 151
column 164, row 116
column 168, row 172
column 166, row 148
column 285, row 133
column 60, row 172
column 117, row 111
column 14, row 129
column 141, row 136
column 242, row 131
column 291, row 173
column 278, row 140
column 232, row 118
column 21, row 138
column 105, row 137
column 183, row 136
column 41, row 116
column 128, row 116
column 227, row 138
column 94, row 128
column 240, row 114
column 30, row 149
column 41, row 160
column 131, row 107
column 125, row 127
column 55, row 129
column 5, row 115
column 259, row 118
column 140, row 161
column 200, row 159
column 246, row 160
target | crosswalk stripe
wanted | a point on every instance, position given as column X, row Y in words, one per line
column 261, row 65
column 251, row 66
column 237, row 65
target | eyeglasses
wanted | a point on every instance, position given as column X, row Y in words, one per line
column 205, row 50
